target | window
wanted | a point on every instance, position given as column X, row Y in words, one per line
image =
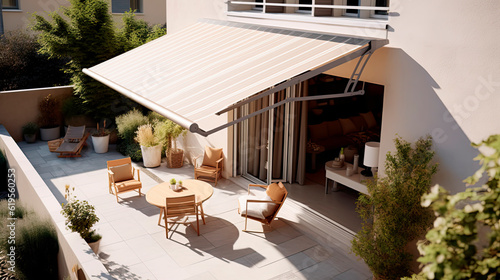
column 122, row 6
column 258, row 7
column 10, row 4
column 308, row 2
column 381, row 3
column 352, row 11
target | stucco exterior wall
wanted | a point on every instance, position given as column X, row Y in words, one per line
column 14, row 117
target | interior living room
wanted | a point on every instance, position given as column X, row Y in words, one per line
column 335, row 126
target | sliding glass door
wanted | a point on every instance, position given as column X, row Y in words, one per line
column 266, row 147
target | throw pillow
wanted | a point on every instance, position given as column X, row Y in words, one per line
column 347, row 126
column 276, row 191
column 369, row 119
column 211, row 156
column 334, row 128
column 359, row 122
column 122, row 172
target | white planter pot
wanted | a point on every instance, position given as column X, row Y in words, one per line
column 47, row 134
column 100, row 144
column 151, row 156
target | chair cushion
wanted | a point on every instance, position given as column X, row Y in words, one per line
column 334, row 128
column 122, row 172
column 256, row 209
column 347, row 126
column 211, row 156
column 128, row 185
column 276, row 192
column 369, row 119
column 359, row 122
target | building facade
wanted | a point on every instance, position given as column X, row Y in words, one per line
column 438, row 71
column 17, row 13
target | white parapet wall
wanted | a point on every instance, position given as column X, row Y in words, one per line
column 74, row 252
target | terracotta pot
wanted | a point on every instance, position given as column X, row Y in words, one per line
column 95, row 246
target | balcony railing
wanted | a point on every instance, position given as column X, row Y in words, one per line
column 319, row 8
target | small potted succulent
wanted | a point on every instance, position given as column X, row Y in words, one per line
column 81, row 217
column 29, row 132
column 173, row 184
column 100, row 139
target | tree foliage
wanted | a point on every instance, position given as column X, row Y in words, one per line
column 23, row 67
column 392, row 214
column 465, row 240
column 85, row 33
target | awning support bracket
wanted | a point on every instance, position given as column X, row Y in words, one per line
column 356, row 74
column 287, row 100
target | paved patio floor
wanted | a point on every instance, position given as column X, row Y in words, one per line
column 135, row 247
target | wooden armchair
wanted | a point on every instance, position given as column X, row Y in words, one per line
column 121, row 177
column 180, row 207
column 211, row 168
column 263, row 208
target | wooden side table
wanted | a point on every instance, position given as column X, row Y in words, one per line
column 313, row 153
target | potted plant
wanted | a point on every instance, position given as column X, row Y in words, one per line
column 392, row 214
column 173, row 185
column 100, row 139
column 29, row 132
column 49, row 119
column 169, row 131
column 150, row 145
column 80, row 217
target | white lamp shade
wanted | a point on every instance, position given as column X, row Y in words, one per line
column 371, row 154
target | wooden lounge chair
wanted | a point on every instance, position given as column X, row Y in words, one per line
column 121, row 177
column 211, row 168
column 180, row 207
column 262, row 208
column 72, row 143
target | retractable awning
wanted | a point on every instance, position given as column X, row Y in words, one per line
column 191, row 75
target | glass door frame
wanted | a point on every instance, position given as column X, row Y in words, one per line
column 288, row 142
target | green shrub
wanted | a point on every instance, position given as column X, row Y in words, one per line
column 80, row 216
column 36, row 243
column 392, row 214
column 36, row 249
column 128, row 123
column 23, row 67
column 465, row 240
column 30, row 128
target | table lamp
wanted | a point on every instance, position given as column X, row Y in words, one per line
column 371, row 158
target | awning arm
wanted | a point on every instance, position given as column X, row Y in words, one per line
column 372, row 46
column 193, row 127
column 287, row 100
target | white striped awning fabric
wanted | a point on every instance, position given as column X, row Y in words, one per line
column 190, row 75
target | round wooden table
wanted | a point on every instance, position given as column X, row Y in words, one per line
column 158, row 194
